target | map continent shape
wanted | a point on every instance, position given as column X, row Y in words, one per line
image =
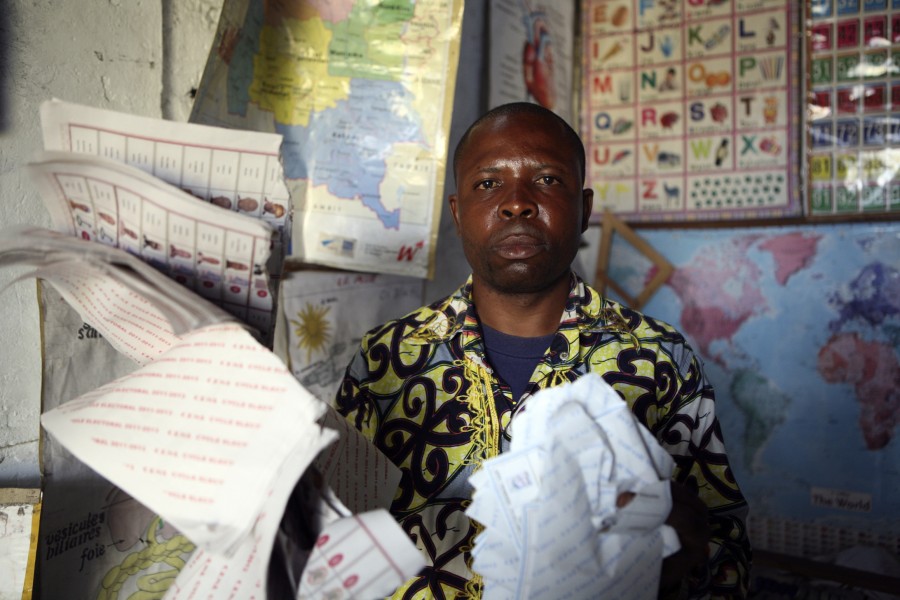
column 792, row 252
column 872, row 368
column 719, row 292
column 764, row 406
column 291, row 71
column 874, row 297
column 346, row 149
column 368, row 43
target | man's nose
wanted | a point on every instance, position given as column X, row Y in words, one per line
column 518, row 203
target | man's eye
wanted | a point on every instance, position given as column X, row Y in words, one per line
column 487, row 184
column 548, row 180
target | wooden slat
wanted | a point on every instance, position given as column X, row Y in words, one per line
column 819, row 570
column 613, row 225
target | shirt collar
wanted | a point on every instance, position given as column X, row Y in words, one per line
column 455, row 315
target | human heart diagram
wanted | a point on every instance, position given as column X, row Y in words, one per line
column 537, row 60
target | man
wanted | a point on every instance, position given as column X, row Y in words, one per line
column 436, row 390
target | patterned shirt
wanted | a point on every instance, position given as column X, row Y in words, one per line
column 422, row 390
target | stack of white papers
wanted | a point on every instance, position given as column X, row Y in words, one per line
column 212, row 432
column 222, row 255
column 552, row 528
column 157, row 189
column 206, row 434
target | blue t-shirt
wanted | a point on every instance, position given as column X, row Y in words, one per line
column 514, row 358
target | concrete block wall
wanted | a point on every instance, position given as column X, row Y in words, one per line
column 139, row 56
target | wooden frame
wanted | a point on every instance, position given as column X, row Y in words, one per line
column 613, row 225
column 813, row 570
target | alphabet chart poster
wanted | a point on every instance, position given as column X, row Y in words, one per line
column 690, row 108
column 854, row 107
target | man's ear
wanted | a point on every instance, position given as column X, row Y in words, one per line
column 587, row 200
column 453, row 208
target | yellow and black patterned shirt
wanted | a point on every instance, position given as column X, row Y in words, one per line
column 422, row 390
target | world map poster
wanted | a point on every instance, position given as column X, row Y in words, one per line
column 799, row 331
column 690, row 109
column 362, row 93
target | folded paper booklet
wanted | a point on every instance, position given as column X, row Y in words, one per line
column 205, row 205
column 234, row 169
column 552, row 528
column 219, row 254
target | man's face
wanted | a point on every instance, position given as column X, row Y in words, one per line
column 519, row 207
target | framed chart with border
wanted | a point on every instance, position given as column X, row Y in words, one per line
column 690, row 109
column 853, row 111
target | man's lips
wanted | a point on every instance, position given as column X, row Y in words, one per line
column 519, row 246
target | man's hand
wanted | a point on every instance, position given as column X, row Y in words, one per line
column 690, row 521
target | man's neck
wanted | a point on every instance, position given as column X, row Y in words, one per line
column 530, row 314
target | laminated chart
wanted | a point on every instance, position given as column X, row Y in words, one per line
column 854, row 107
column 362, row 93
column 218, row 253
column 236, row 170
column 690, row 109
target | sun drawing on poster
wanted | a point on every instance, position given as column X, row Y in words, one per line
column 312, row 329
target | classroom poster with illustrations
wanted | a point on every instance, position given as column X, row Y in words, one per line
column 854, row 107
column 96, row 541
column 530, row 58
column 690, row 109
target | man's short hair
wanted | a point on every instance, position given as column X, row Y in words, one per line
column 518, row 108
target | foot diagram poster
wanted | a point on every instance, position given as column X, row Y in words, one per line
column 689, row 109
column 96, row 541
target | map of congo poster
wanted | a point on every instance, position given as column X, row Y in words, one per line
column 690, row 109
column 362, row 93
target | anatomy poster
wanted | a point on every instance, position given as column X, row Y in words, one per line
column 690, row 108
column 531, row 54
column 96, row 541
column 854, row 105
column 326, row 313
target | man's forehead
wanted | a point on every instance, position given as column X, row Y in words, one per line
column 525, row 136
column 500, row 122
column 517, row 123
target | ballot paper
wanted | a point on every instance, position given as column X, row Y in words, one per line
column 235, row 169
column 199, row 434
column 359, row 474
column 212, row 574
column 548, row 506
column 360, row 556
column 212, row 432
column 213, row 435
column 355, row 556
column 219, row 254
column 133, row 306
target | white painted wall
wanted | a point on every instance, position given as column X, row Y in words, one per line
column 140, row 56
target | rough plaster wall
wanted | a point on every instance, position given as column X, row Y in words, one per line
column 105, row 53
column 469, row 102
column 188, row 30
